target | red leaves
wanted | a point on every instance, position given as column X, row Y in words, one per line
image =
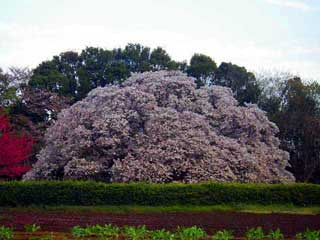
column 14, row 150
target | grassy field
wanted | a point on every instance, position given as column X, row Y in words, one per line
column 249, row 208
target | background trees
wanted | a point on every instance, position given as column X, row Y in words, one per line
column 159, row 127
column 74, row 75
column 8, row 90
column 203, row 68
column 33, row 98
column 294, row 106
column 299, row 121
column 30, row 110
column 242, row 82
column 35, row 111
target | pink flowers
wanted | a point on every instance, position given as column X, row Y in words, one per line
column 158, row 127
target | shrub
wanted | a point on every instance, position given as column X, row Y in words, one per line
column 15, row 149
column 81, row 193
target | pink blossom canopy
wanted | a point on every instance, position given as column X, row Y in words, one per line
column 158, row 127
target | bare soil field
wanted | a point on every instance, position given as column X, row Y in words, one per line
column 239, row 223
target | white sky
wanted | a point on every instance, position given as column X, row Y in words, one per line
column 257, row 34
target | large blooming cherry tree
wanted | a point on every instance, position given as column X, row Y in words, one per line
column 159, row 127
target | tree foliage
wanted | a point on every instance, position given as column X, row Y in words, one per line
column 242, row 82
column 202, row 67
column 11, row 83
column 35, row 112
column 68, row 77
column 15, row 149
column 158, row 127
column 294, row 106
column 8, row 94
column 300, row 123
column 74, row 75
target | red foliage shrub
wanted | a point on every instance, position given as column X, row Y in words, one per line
column 14, row 150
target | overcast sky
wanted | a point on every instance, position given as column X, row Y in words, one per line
column 257, row 34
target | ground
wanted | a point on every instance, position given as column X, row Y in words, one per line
column 62, row 220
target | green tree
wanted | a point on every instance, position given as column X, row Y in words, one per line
column 160, row 59
column 98, row 68
column 175, row 65
column 272, row 85
column 242, row 82
column 299, row 123
column 202, row 67
column 9, row 87
column 94, row 63
column 294, row 106
column 136, row 57
column 4, row 88
column 48, row 76
column 72, row 74
column 117, row 73
column 314, row 92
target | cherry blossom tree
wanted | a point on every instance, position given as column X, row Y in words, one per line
column 159, row 127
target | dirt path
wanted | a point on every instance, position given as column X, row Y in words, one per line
column 212, row 221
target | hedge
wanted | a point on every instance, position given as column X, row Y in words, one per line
column 86, row 193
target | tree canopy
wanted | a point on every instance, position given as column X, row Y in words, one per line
column 291, row 103
column 242, row 82
column 159, row 127
column 74, row 75
column 203, row 68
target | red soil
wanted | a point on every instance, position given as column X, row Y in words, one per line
column 237, row 222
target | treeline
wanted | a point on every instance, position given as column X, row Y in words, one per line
column 74, row 74
column 33, row 98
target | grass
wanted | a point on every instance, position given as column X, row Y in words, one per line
column 259, row 209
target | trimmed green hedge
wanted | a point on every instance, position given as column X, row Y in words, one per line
column 94, row 193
